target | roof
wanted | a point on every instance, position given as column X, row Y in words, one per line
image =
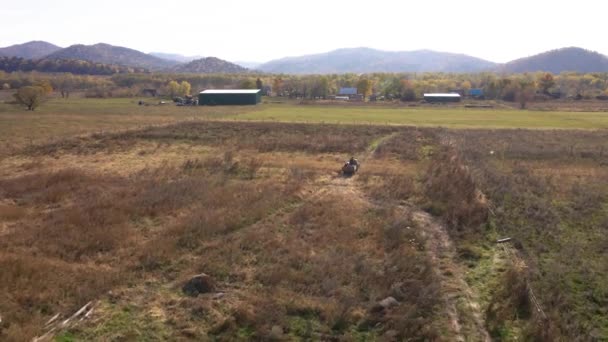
column 441, row 95
column 348, row 91
column 231, row 91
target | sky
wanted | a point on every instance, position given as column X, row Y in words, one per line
column 241, row 30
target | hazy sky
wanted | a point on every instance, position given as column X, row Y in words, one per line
column 263, row 30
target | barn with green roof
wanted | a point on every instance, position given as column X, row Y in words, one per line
column 222, row 97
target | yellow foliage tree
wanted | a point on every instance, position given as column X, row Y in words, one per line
column 184, row 88
column 30, row 96
column 173, row 88
column 45, row 85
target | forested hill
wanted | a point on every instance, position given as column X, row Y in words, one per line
column 560, row 60
column 210, row 65
column 115, row 55
column 29, row 50
column 74, row 66
column 364, row 60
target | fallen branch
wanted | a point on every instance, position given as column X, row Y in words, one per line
column 53, row 324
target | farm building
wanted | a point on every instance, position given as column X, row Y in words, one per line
column 476, row 92
column 230, row 97
column 347, row 92
column 442, row 97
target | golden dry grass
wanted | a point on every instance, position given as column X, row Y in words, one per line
column 293, row 247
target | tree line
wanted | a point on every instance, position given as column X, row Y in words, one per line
column 404, row 86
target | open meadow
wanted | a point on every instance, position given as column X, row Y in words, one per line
column 119, row 205
column 434, row 116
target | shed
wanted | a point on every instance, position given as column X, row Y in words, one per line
column 347, row 91
column 230, row 97
column 476, row 92
column 442, row 97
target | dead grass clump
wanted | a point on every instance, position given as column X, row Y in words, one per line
column 44, row 187
column 453, row 194
column 246, row 168
column 393, row 186
column 511, row 302
column 95, row 143
column 78, row 232
column 411, row 143
column 38, row 288
column 402, row 232
column 211, row 216
column 10, row 212
column 159, row 197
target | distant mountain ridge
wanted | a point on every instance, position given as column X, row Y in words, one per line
column 30, row 50
column 210, row 65
column 109, row 54
column 365, row 60
column 560, row 60
column 355, row 60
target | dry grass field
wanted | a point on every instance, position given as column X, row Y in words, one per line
column 122, row 206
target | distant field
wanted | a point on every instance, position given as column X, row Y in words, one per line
column 446, row 117
column 59, row 118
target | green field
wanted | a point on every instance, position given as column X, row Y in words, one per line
column 445, row 117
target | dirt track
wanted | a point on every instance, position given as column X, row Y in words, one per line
column 461, row 304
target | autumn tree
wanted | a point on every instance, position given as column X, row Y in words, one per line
column 320, row 87
column 247, row 84
column 259, row 84
column 466, row 87
column 173, row 88
column 364, row 86
column 45, row 85
column 65, row 84
column 546, row 82
column 30, row 96
column 184, row 88
column 277, row 86
column 525, row 93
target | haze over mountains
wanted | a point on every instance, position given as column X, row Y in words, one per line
column 175, row 57
column 362, row 60
column 355, row 60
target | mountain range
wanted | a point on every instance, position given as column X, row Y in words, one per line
column 364, row 60
column 355, row 60
column 109, row 54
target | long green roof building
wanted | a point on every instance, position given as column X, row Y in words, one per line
column 213, row 97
